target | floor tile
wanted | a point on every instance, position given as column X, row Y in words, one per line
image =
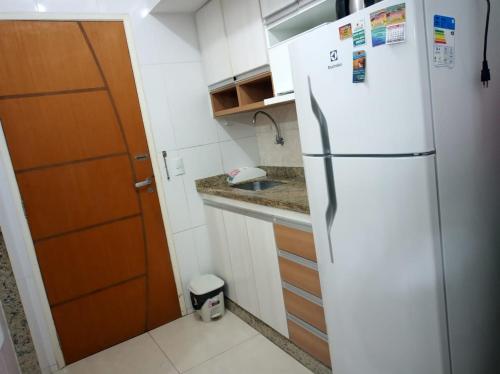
column 188, row 341
column 138, row 355
column 256, row 355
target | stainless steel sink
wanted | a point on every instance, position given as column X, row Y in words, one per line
column 257, row 186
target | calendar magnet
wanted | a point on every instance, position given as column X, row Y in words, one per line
column 395, row 34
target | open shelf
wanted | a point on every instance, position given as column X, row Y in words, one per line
column 255, row 90
column 304, row 20
column 224, row 99
column 244, row 96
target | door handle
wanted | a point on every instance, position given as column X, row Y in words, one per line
column 331, row 209
column 146, row 182
column 164, row 153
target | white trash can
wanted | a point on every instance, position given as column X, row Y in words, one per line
column 207, row 296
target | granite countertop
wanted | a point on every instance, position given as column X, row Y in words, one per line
column 291, row 195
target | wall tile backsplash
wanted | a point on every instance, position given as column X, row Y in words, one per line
column 272, row 154
column 269, row 153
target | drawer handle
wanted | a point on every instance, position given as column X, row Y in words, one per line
column 313, row 330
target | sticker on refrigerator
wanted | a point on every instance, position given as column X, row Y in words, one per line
column 358, row 66
column 358, row 35
column 395, row 33
column 345, row 32
column 388, row 25
column 396, row 14
column 444, row 41
column 396, row 22
column 378, row 22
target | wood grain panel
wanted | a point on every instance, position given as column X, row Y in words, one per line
column 300, row 276
column 77, row 264
column 70, row 197
column 310, row 343
column 163, row 305
column 98, row 321
column 73, row 127
column 305, row 310
column 28, row 64
column 298, row 242
column 110, row 46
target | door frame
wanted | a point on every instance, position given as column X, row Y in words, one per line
column 22, row 233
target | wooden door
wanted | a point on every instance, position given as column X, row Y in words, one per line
column 70, row 113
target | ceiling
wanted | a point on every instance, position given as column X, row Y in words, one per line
column 178, row 6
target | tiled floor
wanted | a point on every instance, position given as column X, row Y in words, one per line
column 189, row 345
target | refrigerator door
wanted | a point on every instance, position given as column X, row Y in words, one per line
column 390, row 113
column 383, row 294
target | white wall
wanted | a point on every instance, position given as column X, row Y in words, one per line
column 178, row 107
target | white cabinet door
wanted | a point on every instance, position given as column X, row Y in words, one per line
column 241, row 261
column 220, row 251
column 267, row 274
column 272, row 6
column 305, row 2
column 279, row 60
column 213, row 42
column 245, row 34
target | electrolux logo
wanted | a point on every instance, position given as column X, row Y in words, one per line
column 334, row 60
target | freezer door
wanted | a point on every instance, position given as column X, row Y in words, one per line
column 383, row 293
column 387, row 114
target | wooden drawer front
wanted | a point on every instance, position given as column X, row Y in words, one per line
column 309, row 342
column 300, row 276
column 298, row 242
column 305, row 310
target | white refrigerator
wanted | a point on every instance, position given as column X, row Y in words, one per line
column 371, row 162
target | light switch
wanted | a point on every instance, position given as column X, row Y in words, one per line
column 178, row 166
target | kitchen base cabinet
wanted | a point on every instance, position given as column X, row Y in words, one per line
column 310, row 342
column 241, row 262
column 245, row 256
column 267, row 275
column 270, row 271
column 220, row 250
column 302, row 291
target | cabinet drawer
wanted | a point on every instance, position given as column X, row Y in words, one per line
column 300, row 276
column 309, row 342
column 298, row 242
column 305, row 310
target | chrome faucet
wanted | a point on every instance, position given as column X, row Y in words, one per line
column 279, row 138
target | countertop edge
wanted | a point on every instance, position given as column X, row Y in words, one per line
column 269, row 213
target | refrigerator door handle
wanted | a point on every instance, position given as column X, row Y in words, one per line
column 323, row 124
column 331, row 209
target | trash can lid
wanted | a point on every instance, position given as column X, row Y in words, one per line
column 205, row 284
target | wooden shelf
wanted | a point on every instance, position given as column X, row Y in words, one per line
column 245, row 96
column 224, row 99
column 255, row 90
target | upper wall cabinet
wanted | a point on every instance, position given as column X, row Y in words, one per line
column 232, row 39
column 272, row 6
column 213, row 42
column 245, row 34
